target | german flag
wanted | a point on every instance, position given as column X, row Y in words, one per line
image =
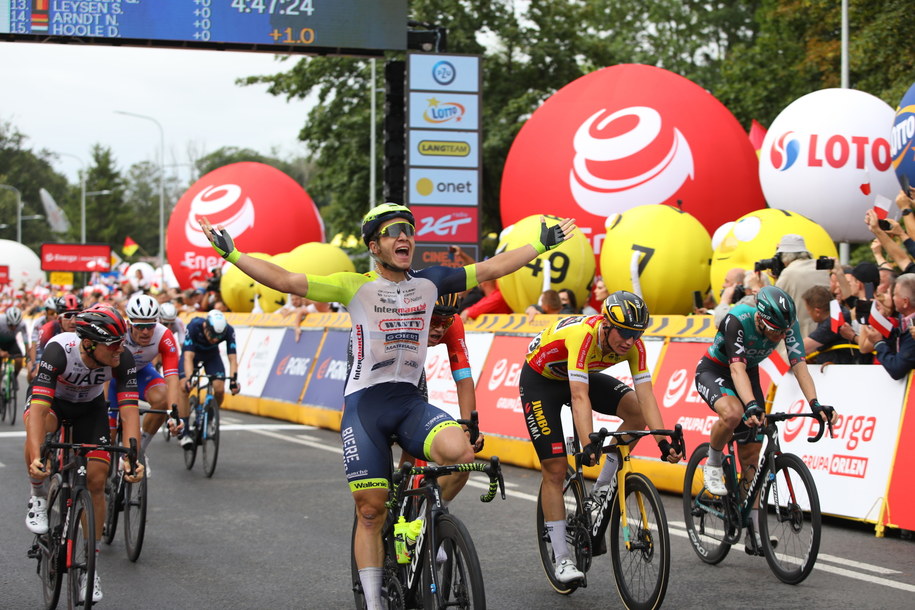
column 40, row 15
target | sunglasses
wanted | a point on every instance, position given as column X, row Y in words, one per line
column 144, row 326
column 68, row 314
column 627, row 333
column 442, row 321
column 767, row 326
column 397, row 229
column 113, row 346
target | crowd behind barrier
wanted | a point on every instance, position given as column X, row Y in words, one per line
column 859, row 473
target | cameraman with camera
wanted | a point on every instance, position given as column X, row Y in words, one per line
column 739, row 287
column 796, row 271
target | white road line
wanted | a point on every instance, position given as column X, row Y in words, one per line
column 13, row 434
column 300, row 441
column 256, row 427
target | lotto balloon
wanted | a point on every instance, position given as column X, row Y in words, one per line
column 902, row 140
column 672, row 249
column 24, row 265
column 236, row 288
column 755, row 237
column 625, row 136
column 263, row 209
column 827, row 156
column 571, row 265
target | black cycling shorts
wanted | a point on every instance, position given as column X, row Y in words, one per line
column 714, row 381
column 89, row 421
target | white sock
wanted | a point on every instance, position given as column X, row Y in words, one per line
column 754, row 517
column 557, row 532
column 371, row 587
column 39, row 487
column 145, row 440
column 715, row 456
column 608, row 472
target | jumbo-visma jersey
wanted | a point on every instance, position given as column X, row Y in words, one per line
column 570, row 349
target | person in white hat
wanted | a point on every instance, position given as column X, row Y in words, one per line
column 798, row 274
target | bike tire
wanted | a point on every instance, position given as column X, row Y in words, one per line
column 81, row 545
column 113, row 504
column 642, row 571
column 705, row 515
column 135, row 499
column 576, row 533
column 210, row 436
column 13, row 403
column 459, row 576
column 52, row 558
column 190, row 450
column 792, row 517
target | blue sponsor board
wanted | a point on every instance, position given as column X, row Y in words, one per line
column 291, row 367
column 329, row 378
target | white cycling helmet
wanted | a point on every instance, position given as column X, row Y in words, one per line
column 13, row 316
column 167, row 313
column 216, row 320
column 50, row 304
column 142, row 307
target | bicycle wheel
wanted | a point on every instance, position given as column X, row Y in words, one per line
column 81, row 546
column 113, row 502
column 52, row 558
column 13, row 402
column 792, row 517
column 210, row 434
column 577, row 534
column 642, row 569
column 456, row 567
column 134, row 517
column 705, row 514
column 190, row 450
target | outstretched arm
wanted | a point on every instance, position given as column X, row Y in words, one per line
column 265, row 272
column 508, row 262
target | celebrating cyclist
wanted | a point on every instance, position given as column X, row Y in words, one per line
column 168, row 317
column 201, row 345
column 9, row 347
column 69, row 386
column 563, row 367
column 390, row 307
column 727, row 378
column 146, row 339
column 50, row 313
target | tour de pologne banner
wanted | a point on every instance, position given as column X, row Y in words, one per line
column 329, row 378
column 294, row 360
column 439, row 380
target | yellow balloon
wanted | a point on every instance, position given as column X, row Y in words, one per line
column 237, row 289
column 571, row 265
column 755, row 236
column 269, row 299
column 311, row 258
column 673, row 251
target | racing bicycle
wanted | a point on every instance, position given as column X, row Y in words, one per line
column 632, row 517
column 203, row 422
column 789, row 514
column 8, row 390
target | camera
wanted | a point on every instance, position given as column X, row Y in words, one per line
column 824, row 262
column 774, row 264
column 884, row 224
column 739, row 293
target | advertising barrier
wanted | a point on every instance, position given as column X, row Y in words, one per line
column 860, row 474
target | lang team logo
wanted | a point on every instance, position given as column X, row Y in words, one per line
column 784, row 151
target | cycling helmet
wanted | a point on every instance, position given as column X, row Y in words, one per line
column 142, row 307
column 625, row 310
column 68, row 302
column 447, row 305
column 101, row 323
column 216, row 321
column 776, row 308
column 372, row 221
column 167, row 313
column 50, row 304
column 13, row 316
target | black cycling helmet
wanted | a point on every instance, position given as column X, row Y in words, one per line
column 447, row 305
column 627, row 312
column 776, row 308
column 372, row 221
column 69, row 302
column 101, row 323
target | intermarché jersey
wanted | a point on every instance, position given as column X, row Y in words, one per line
column 738, row 340
column 570, row 349
column 390, row 320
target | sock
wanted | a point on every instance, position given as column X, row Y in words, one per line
column 145, row 440
column 39, row 487
column 445, row 503
column 754, row 517
column 557, row 532
column 371, row 587
column 715, row 456
column 608, row 472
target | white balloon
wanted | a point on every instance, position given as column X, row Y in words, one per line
column 141, row 275
column 827, row 156
column 24, row 265
column 720, row 232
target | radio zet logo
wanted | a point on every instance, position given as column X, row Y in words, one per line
column 835, row 151
column 444, row 225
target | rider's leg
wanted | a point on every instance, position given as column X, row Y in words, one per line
column 96, row 474
column 219, row 390
column 730, row 412
column 450, row 446
column 367, row 547
column 155, row 396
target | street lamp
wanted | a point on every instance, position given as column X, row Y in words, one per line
column 161, row 180
column 24, row 218
column 18, row 210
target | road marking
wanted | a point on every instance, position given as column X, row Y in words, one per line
column 299, row 440
column 256, row 427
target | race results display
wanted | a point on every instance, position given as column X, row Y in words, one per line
column 311, row 26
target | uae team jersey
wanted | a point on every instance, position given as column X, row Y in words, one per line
column 570, row 349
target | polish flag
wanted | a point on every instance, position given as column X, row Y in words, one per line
column 880, row 322
column 835, row 316
column 775, row 366
column 882, row 206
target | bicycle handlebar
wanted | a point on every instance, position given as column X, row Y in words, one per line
column 84, row 448
column 782, row 416
column 493, row 470
column 676, row 436
column 473, row 426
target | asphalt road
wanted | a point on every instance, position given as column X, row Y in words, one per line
column 271, row 529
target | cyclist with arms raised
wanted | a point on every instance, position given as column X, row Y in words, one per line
column 727, row 378
column 391, row 307
column 563, row 366
column 69, row 386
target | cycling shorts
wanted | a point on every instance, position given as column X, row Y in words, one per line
column 542, row 401
column 373, row 415
column 89, row 421
column 147, row 377
column 714, row 382
column 212, row 363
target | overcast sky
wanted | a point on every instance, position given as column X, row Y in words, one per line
column 63, row 98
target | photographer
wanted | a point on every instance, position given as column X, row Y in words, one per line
column 796, row 271
column 742, row 293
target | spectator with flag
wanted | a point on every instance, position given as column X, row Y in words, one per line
column 893, row 343
column 833, row 339
column 130, row 246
